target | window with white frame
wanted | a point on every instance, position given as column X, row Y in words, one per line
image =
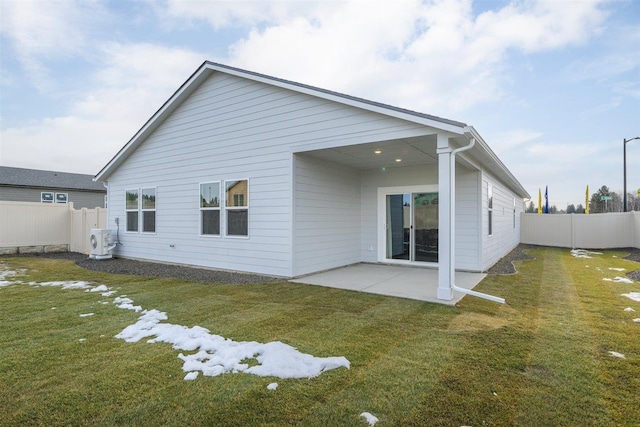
column 210, row 209
column 490, row 208
column 62, row 197
column 148, row 210
column 46, row 197
column 237, row 207
column 131, row 208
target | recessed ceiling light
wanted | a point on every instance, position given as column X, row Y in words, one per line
column 378, row 151
column 398, row 160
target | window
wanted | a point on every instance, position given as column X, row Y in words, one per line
column 131, row 207
column 61, row 197
column 237, row 207
column 210, row 209
column 46, row 197
column 148, row 210
column 490, row 207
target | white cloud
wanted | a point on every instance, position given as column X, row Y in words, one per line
column 430, row 56
column 132, row 83
column 39, row 31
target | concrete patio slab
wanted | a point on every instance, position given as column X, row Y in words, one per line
column 398, row 281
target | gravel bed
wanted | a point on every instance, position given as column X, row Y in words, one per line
column 505, row 265
column 147, row 268
column 156, row 269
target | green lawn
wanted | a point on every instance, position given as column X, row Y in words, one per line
column 540, row 360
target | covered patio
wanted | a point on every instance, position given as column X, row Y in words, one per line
column 398, row 281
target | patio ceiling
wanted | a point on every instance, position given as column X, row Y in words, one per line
column 375, row 155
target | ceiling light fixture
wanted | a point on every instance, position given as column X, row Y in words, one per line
column 398, row 160
column 378, row 151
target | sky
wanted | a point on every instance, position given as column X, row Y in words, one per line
column 552, row 86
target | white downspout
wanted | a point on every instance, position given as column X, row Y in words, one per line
column 452, row 228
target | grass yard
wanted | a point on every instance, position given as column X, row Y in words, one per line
column 540, row 360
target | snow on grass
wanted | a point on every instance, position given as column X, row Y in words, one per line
column 616, row 354
column 65, row 285
column 583, row 253
column 633, row 295
column 636, row 320
column 618, row 279
column 272, row 386
column 218, row 355
column 372, row 420
column 616, row 269
column 629, row 309
column 215, row 354
column 126, row 303
column 191, row 376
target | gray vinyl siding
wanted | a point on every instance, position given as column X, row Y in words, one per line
column 504, row 237
column 327, row 215
column 80, row 199
column 232, row 128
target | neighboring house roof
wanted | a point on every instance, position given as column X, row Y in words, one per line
column 33, row 178
column 208, row 68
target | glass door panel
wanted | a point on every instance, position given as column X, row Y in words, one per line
column 425, row 227
column 398, row 226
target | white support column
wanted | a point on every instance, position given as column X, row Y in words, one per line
column 446, row 265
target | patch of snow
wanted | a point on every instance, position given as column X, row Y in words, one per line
column 126, row 303
column 583, row 253
column 272, row 386
column 629, row 309
column 218, row 355
column 616, row 269
column 636, row 320
column 87, row 314
column 372, row 420
column 101, row 288
column 618, row 279
column 633, row 295
column 616, row 354
column 82, row 340
column 108, row 294
column 191, row 376
column 53, row 308
column 65, row 284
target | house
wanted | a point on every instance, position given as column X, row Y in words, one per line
column 247, row 172
column 32, row 185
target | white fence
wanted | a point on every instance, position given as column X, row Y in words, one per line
column 47, row 227
column 594, row 231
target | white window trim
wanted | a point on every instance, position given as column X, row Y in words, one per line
column 142, row 210
column 219, row 209
column 137, row 209
column 53, row 196
column 237, row 208
column 514, row 213
column 66, row 198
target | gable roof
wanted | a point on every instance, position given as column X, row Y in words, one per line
column 20, row 177
column 208, row 68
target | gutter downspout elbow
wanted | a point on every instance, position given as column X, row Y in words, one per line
column 452, row 225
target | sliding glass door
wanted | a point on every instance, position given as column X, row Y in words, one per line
column 411, row 227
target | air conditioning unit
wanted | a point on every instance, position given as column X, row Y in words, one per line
column 100, row 243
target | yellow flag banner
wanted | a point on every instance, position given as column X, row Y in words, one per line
column 586, row 201
column 539, row 201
